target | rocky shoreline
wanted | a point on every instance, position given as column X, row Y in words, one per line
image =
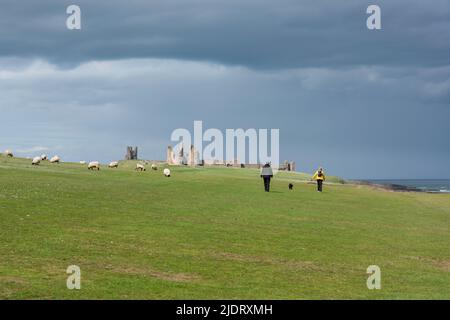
column 389, row 187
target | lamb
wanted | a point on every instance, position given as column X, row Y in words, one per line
column 114, row 164
column 9, row 153
column 43, row 157
column 140, row 167
column 154, row 167
column 36, row 161
column 94, row 165
column 167, row 172
column 55, row 159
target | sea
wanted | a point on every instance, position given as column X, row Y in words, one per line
column 427, row 185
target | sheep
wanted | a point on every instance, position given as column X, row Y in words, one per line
column 82, row 162
column 36, row 161
column 154, row 167
column 9, row 153
column 43, row 157
column 140, row 167
column 94, row 165
column 55, row 159
column 114, row 164
column 167, row 172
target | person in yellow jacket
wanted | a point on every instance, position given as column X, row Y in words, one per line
column 319, row 176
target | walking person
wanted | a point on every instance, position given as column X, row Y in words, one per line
column 267, row 175
column 319, row 176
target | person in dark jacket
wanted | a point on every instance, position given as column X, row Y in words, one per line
column 267, row 175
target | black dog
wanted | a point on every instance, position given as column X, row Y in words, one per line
column 291, row 186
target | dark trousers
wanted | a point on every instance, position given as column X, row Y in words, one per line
column 319, row 185
column 266, row 183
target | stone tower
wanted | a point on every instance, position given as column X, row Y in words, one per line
column 292, row 166
column 181, row 159
column 132, row 153
column 170, row 160
column 193, row 157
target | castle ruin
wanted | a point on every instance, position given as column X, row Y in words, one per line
column 132, row 153
column 192, row 158
column 182, row 158
column 288, row 166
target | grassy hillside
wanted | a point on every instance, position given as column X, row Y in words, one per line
column 213, row 234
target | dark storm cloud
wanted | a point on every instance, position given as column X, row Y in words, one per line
column 259, row 34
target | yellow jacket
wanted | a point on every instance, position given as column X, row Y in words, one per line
column 317, row 177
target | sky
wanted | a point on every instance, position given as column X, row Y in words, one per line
column 361, row 103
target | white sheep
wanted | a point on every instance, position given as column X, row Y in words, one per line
column 9, row 153
column 36, row 161
column 55, row 159
column 43, row 157
column 82, row 162
column 94, row 165
column 154, row 167
column 140, row 167
column 167, row 172
column 114, row 164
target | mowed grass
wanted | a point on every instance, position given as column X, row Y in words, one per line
column 213, row 234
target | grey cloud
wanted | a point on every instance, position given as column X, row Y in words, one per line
column 257, row 34
column 325, row 115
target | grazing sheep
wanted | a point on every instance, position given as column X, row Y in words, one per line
column 36, row 161
column 55, row 159
column 140, row 167
column 9, row 153
column 94, row 165
column 154, row 167
column 43, row 157
column 82, row 162
column 114, row 164
column 167, row 172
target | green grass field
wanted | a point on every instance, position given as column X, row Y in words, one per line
column 214, row 234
